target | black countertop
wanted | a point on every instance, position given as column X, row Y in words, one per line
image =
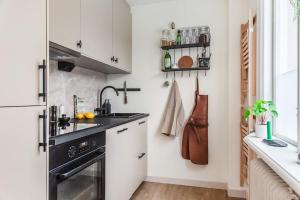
column 101, row 125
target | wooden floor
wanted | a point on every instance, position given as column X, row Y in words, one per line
column 157, row 191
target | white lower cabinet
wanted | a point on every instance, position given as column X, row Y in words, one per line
column 126, row 159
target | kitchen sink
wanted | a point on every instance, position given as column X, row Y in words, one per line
column 122, row 115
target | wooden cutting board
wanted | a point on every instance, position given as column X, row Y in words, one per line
column 185, row 62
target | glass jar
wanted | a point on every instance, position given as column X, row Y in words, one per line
column 204, row 35
column 194, row 37
column 183, row 36
column 164, row 38
column 187, row 39
column 170, row 38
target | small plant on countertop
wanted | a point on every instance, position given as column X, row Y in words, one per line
column 261, row 109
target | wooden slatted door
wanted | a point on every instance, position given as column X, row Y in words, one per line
column 248, row 89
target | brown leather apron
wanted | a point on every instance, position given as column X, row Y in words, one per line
column 195, row 134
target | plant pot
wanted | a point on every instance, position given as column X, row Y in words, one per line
column 261, row 130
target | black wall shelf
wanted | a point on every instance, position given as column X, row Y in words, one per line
column 185, row 69
column 185, row 46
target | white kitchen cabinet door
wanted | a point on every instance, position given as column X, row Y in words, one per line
column 23, row 165
column 125, row 167
column 96, row 30
column 139, row 140
column 141, row 135
column 122, row 35
column 64, row 23
column 118, row 167
column 23, row 48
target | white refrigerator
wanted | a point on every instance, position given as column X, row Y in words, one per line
column 23, row 100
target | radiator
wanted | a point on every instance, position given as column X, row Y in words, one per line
column 265, row 184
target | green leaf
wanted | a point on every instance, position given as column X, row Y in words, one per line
column 262, row 107
column 274, row 113
column 272, row 107
column 247, row 113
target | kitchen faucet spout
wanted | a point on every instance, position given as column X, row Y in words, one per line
column 101, row 94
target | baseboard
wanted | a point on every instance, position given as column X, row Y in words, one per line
column 238, row 193
column 187, row 182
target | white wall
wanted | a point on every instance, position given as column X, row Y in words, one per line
column 164, row 153
column 238, row 14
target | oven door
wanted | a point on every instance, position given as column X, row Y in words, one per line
column 82, row 179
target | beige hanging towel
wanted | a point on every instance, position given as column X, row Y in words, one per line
column 173, row 120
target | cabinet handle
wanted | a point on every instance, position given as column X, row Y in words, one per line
column 112, row 59
column 142, row 122
column 116, row 60
column 141, row 155
column 79, row 44
column 120, row 131
column 44, row 93
column 44, row 143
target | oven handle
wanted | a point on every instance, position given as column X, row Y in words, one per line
column 80, row 168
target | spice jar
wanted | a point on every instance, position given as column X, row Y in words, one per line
column 204, row 37
column 170, row 39
column 164, row 38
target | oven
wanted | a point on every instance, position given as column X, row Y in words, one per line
column 77, row 169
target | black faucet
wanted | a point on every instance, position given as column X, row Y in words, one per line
column 100, row 109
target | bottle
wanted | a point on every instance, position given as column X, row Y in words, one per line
column 178, row 38
column 108, row 107
column 104, row 107
column 167, row 60
column 173, row 34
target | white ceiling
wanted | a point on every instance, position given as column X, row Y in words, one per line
column 143, row 2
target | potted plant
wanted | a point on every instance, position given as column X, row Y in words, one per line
column 262, row 110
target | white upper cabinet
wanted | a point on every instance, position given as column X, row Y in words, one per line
column 102, row 26
column 122, row 35
column 23, row 48
column 64, row 23
column 96, row 20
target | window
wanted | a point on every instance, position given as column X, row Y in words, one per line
column 285, row 82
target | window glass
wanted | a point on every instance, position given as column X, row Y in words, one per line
column 286, row 76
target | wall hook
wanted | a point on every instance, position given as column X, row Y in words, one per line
column 189, row 73
column 181, row 74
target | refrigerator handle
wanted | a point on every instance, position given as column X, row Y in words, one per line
column 44, row 143
column 44, row 92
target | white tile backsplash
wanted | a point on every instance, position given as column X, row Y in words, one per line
column 81, row 82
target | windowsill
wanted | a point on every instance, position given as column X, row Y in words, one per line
column 283, row 160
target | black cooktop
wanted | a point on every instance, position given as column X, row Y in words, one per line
column 75, row 129
column 57, row 129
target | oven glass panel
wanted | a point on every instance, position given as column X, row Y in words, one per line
column 86, row 185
